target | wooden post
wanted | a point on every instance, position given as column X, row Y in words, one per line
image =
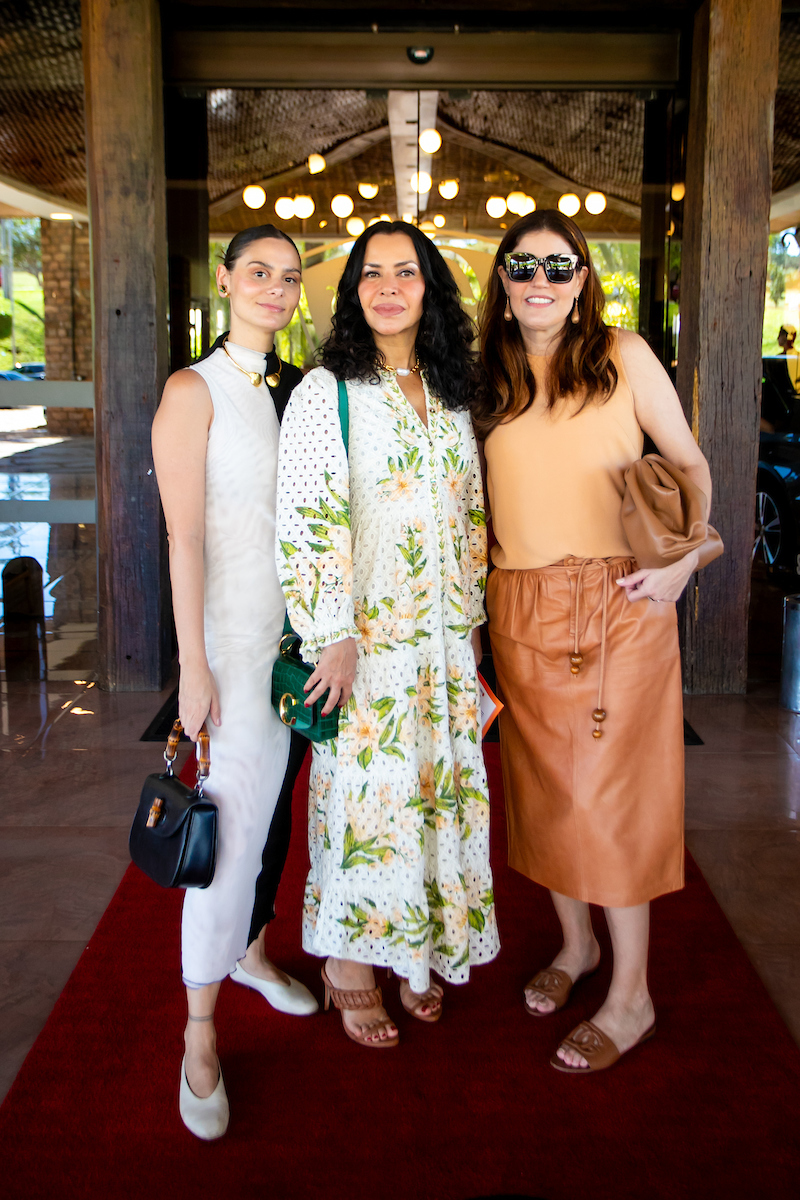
column 186, row 156
column 653, row 239
column 125, row 145
column 723, row 281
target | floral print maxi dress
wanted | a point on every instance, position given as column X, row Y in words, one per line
column 390, row 549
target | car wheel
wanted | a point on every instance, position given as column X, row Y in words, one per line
column 773, row 540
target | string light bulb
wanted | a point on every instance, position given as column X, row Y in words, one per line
column 421, row 182
column 515, row 202
column 254, row 196
column 448, row 189
column 355, row 226
column 496, row 207
column 439, row 221
column 342, row 205
column 569, row 204
column 678, row 191
column 595, row 203
column 284, row 208
column 316, row 163
column 430, row 141
column 303, row 207
column 368, row 190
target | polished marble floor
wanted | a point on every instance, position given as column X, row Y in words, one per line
column 70, row 766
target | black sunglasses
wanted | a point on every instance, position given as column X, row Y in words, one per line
column 559, row 268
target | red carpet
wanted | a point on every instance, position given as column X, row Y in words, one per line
column 465, row 1108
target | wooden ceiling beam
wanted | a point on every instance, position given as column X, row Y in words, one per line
column 409, row 114
column 524, row 59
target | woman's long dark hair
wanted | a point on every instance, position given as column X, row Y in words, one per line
column 445, row 334
column 582, row 362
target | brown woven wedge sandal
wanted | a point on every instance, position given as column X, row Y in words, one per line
column 556, row 985
column 353, row 1001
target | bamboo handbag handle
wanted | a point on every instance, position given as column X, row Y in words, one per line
column 204, row 759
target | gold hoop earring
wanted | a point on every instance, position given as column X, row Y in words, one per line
column 576, row 313
column 507, row 314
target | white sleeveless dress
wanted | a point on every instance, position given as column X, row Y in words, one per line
column 244, row 615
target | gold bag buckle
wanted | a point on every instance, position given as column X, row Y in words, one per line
column 287, row 703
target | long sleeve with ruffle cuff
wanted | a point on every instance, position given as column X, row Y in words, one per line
column 312, row 545
column 474, row 601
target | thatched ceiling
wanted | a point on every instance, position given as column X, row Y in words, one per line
column 592, row 138
column 494, row 122
column 786, row 162
column 42, row 134
column 256, row 134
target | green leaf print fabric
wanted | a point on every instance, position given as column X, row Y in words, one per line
column 390, row 548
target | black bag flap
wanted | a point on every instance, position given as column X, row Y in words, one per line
column 179, row 802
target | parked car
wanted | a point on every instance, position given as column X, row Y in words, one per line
column 776, row 543
column 31, row 370
column 18, row 375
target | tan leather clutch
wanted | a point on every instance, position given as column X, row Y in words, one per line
column 665, row 515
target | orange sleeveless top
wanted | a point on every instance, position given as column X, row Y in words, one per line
column 556, row 477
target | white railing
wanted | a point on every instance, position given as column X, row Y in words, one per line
column 49, row 393
column 18, row 393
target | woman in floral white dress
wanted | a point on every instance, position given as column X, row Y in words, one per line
column 382, row 558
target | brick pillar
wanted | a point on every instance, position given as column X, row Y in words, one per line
column 66, row 275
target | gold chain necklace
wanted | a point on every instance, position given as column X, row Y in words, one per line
column 255, row 377
column 403, row 371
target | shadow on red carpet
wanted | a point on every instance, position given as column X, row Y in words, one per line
column 463, row 1109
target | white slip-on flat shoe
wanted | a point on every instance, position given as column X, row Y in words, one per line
column 295, row 999
column 206, row 1119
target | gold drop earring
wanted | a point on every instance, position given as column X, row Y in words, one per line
column 507, row 314
column 576, row 313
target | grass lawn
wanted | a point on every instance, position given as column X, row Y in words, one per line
column 29, row 328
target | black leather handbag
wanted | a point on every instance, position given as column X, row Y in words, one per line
column 173, row 837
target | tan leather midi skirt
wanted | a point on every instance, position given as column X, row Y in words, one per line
column 591, row 733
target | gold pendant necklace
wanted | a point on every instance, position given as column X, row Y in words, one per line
column 255, row 377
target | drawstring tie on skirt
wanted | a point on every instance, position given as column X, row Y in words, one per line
column 576, row 658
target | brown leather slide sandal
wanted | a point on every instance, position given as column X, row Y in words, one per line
column 556, row 985
column 352, row 1001
column 596, row 1047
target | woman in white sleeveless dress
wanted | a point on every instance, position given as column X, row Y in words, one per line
column 215, row 446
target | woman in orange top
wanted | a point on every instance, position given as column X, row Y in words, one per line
column 592, row 730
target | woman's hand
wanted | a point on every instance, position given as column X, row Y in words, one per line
column 336, row 671
column 477, row 645
column 660, row 583
column 198, row 699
